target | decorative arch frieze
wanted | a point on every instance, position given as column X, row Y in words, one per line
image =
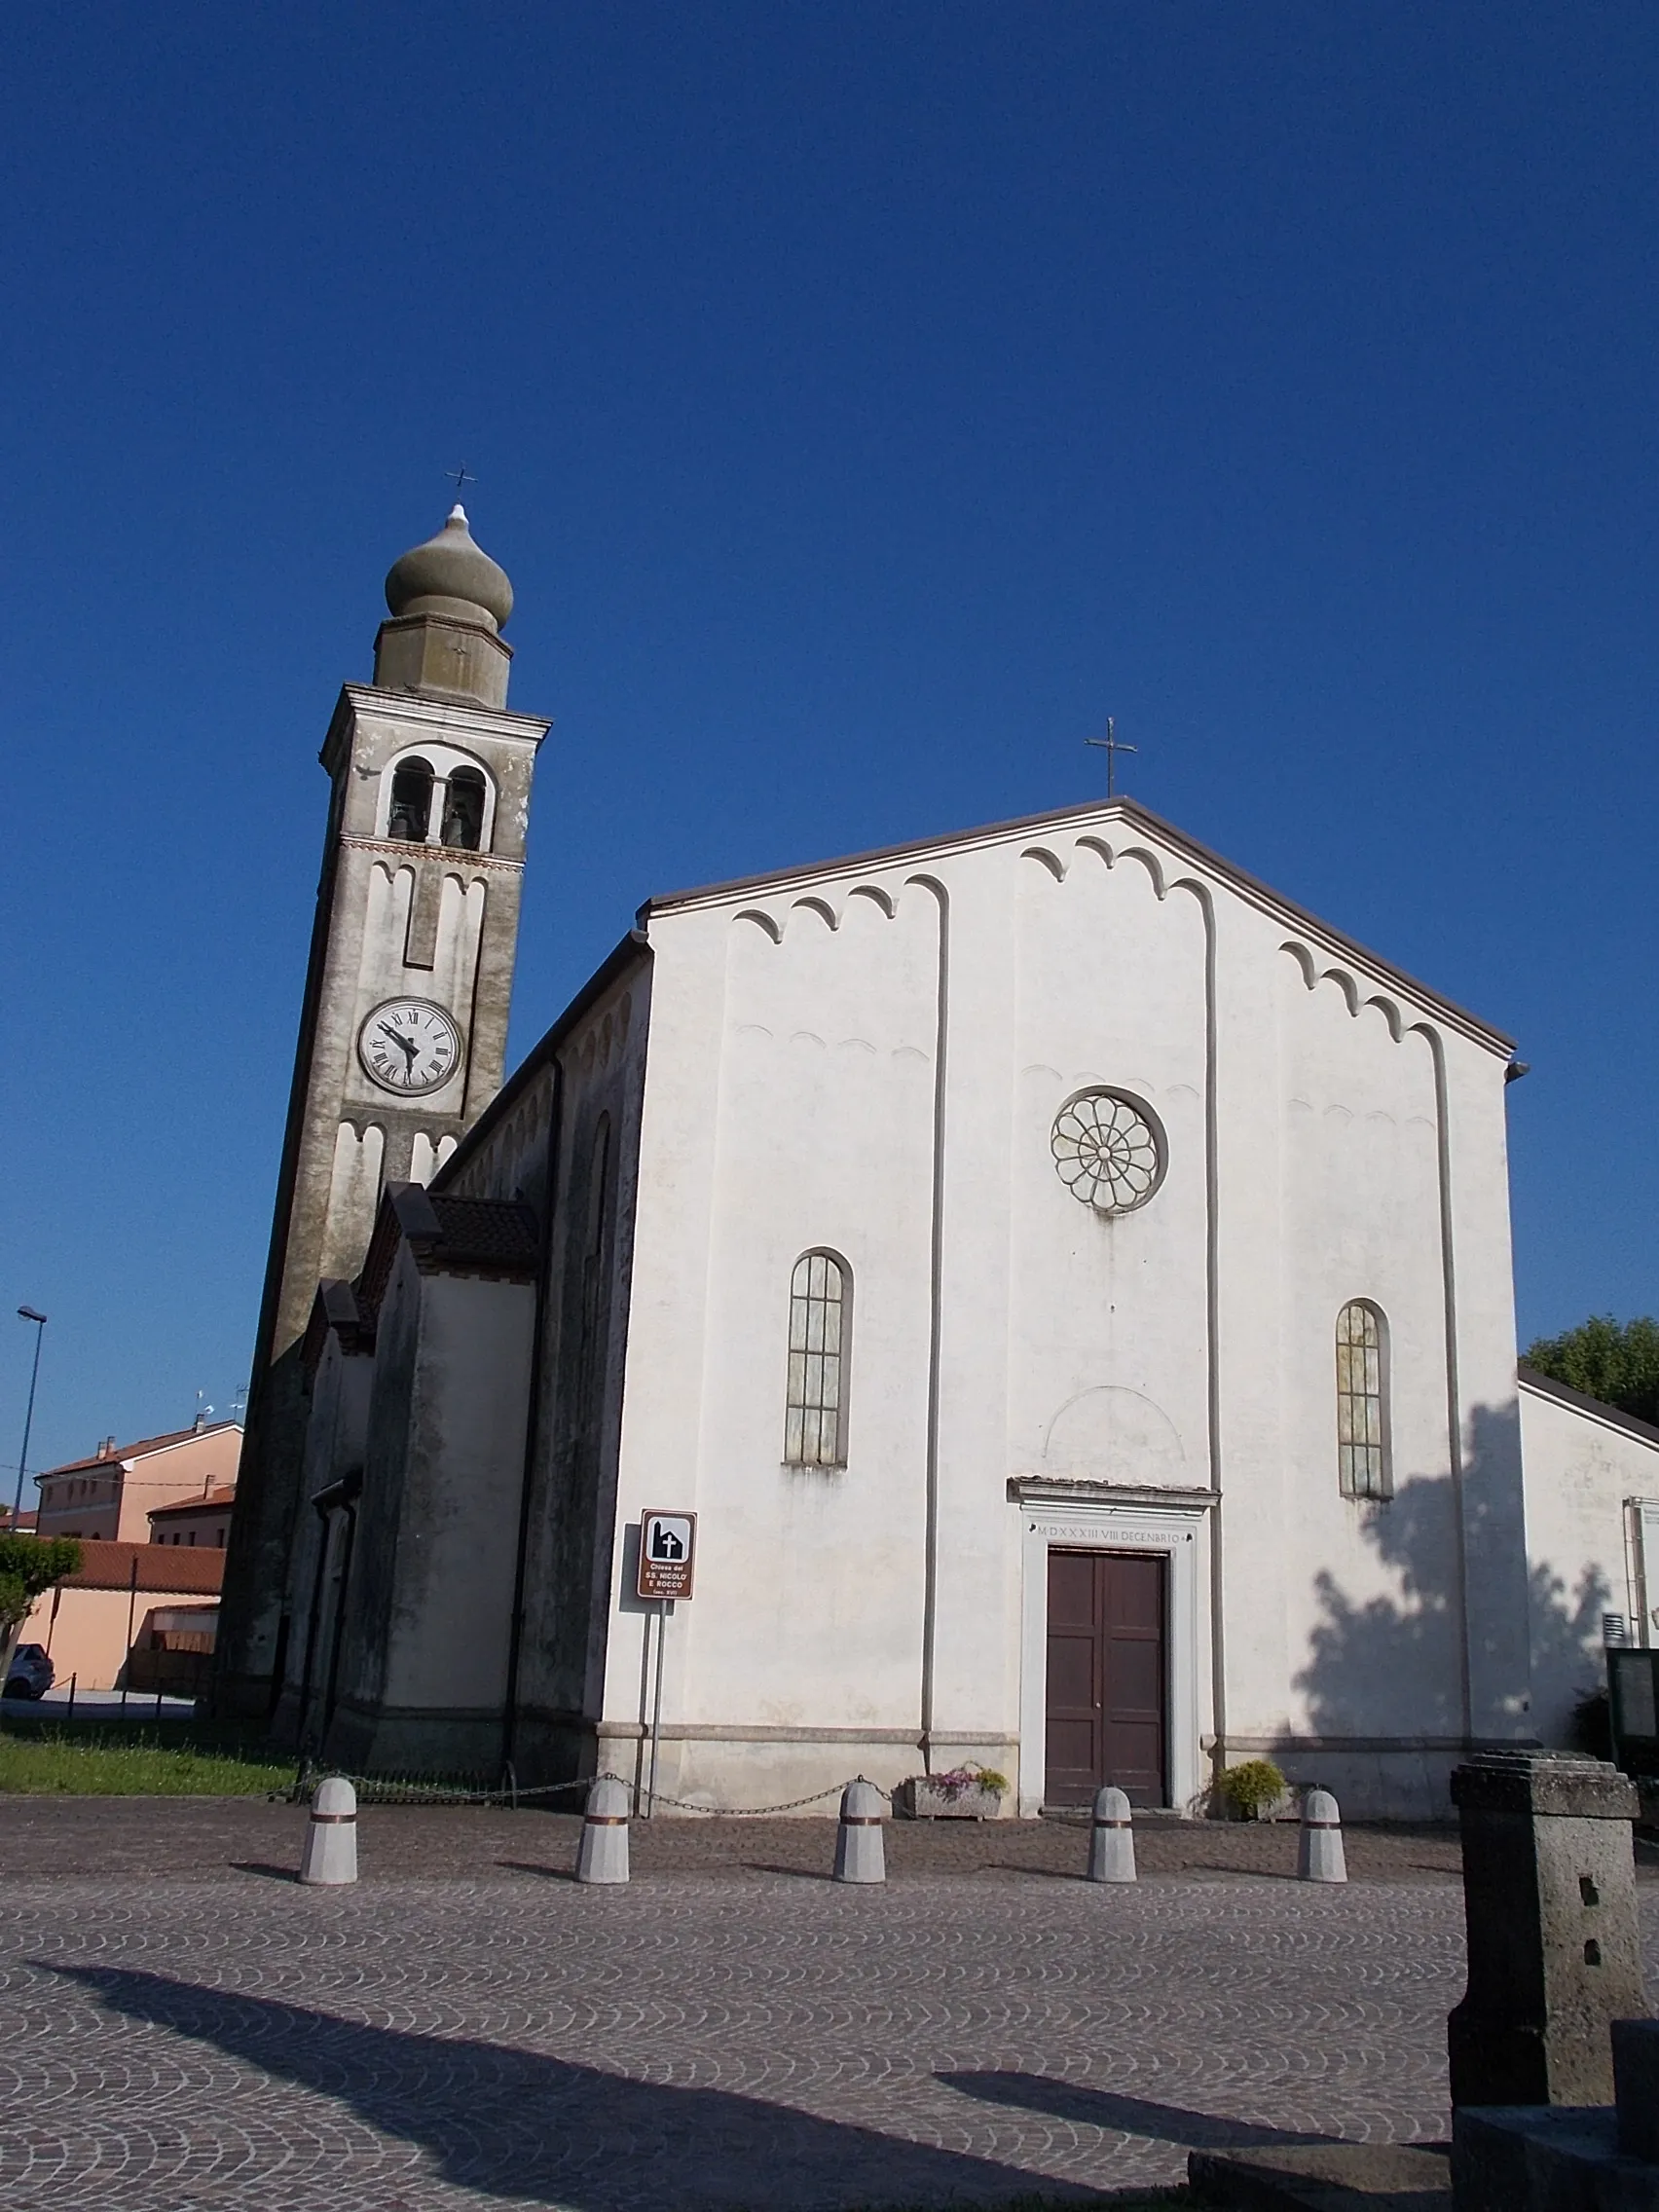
column 1111, row 856
column 762, row 921
column 876, row 895
column 1354, row 992
column 774, row 926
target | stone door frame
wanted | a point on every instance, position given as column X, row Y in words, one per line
column 1111, row 1528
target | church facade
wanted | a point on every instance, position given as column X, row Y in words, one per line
column 1066, row 1287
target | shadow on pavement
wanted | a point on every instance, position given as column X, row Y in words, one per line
column 529, row 1867
column 1132, row 2115
column 519, row 2126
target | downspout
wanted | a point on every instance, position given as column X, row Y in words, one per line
column 936, row 1325
column 346, row 1549
column 1213, row 1331
column 1453, row 1386
column 533, row 1422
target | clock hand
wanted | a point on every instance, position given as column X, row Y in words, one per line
column 404, row 1045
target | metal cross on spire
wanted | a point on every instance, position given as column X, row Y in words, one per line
column 1111, row 745
column 462, row 476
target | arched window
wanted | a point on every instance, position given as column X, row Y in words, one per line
column 411, row 802
column 463, row 810
column 1362, row 1402
column 815, row 1424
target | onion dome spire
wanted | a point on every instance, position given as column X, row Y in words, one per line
column 449, row 575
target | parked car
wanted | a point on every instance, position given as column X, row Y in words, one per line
column 30, row 1671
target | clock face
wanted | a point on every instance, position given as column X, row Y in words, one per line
column 409, row 1045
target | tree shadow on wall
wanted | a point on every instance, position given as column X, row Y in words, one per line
column 1389, row 1664
column 521, row 2126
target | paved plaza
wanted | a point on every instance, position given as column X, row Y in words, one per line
column 187, row 2028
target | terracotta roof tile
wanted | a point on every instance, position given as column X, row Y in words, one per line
column 195, row 1570
column 225, row 1495
column 499, row 1232
column 133, row 1450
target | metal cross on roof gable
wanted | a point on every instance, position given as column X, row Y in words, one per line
column 1111, row 745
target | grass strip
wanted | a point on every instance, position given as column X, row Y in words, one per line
column 187, row 1759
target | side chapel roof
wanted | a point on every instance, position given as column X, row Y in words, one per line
column 487, row 1236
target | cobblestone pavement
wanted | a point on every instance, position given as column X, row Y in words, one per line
column 197, row 1835
column 218, row 2037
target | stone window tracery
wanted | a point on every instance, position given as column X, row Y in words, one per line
column 815, row 1422
column 1362, row 1402
column 1108, row 1150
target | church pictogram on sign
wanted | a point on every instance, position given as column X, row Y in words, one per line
column 668, row 1546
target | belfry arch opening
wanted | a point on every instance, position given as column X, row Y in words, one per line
column 438, row 797
column 410, row 811
column 463, row 810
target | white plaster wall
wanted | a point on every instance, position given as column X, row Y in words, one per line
column 819, row 1058
column 455, row 958
column 1110, row 992
column 458, row 1543
column 1587, row 1480
column 794, row 1098
column 353, row 1194
column 382, row 973
column 1367, row 1635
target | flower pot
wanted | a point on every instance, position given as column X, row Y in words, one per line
column 924, row 1797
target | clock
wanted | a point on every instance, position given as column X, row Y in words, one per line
column 409, row 1045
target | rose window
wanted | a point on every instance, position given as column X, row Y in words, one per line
column 1108, row 1151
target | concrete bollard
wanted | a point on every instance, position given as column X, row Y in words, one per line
column 1319, row 1855
column 858, row 1855
column 602, row 1855
column 1112, row 1841
column 330, row 1855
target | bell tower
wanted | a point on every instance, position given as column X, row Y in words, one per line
column 403, row 1027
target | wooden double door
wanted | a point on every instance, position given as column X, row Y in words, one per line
column 1106, row 1719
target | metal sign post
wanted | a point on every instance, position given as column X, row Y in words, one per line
column 668, row 1556
column 656, row 1708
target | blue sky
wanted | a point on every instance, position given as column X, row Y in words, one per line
column 865, row 401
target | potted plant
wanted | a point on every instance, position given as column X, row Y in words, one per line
column 971, row 1793
column 1253, row 1790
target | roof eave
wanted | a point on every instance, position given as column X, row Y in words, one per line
column 1259, row 893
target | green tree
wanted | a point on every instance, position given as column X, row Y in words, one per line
column 1615, row 1361
column 28, row 1564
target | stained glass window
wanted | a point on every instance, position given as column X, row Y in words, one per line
column 1362, row 1433
column 815, row 1422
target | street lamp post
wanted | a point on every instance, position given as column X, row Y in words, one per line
column 28, row 1313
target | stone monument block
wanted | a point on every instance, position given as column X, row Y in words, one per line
column 1549, row 1901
